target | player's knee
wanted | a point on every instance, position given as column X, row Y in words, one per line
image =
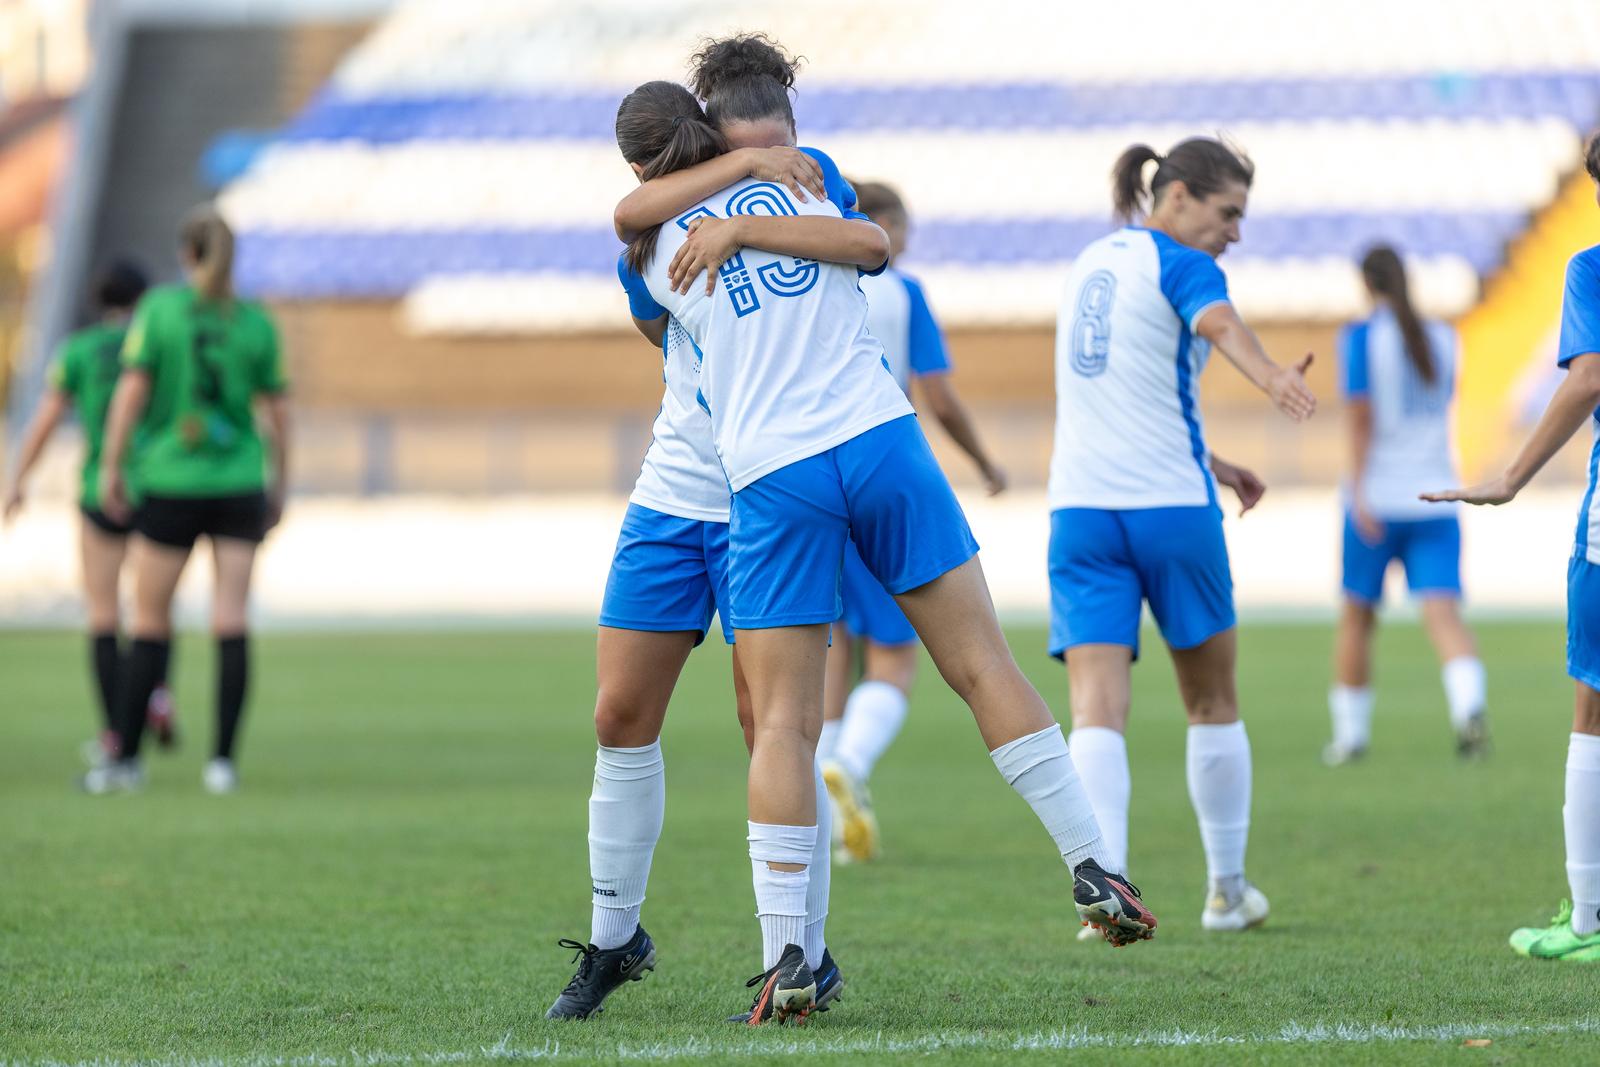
column 896, row 666
column 622, row 723
column 1586, row 716
column 1213, row 709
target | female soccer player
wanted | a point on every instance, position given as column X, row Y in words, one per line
column 1133, row 493
column 82, row 377
column 1399, row 375
column 668, row 575
column 860, row 724
column 196, row 360
column 818, row 446
column 1574, row 933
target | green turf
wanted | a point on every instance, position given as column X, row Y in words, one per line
column 409, row 843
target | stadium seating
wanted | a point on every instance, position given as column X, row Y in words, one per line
column 467, row 166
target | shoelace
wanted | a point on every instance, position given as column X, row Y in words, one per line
column 580, row 951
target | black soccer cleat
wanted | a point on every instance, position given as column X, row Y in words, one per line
column 1111, row 904
column 829, row 982
column 600, row 972
column 787, row 991
column 1472, row 740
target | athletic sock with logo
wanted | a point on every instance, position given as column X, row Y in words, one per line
column 1219, row 787
column 1039, row 767
column 1582, row 817
column 626, row 808
column 818, row 881
column 1351, row 709
column 872, row 719
column 1100, row 756
column 780, row 895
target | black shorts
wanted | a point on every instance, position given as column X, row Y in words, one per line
column 179, row 521
column 105, row 523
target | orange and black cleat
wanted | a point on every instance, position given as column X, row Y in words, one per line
column 1111, row 904
column 787, row 991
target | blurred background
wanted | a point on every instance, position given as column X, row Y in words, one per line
column 423, row 193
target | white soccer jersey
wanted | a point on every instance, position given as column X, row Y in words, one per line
column 789, row 369
column 1128, row 431
column 681, row 475
column 1580, row 336
column 1411, row 448
column 899, row 317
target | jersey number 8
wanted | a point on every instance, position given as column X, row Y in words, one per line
column 1091, row 324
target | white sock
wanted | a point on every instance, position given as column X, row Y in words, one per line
column 872, row 718
column 1219, row 788
column 821, row 871
column 1039, row 767
column 828, row 740
column 1464, row 688
column 625, row 811
column 1101, row 758
column 1582, row 818
column 1351, row 708
column 780, row 895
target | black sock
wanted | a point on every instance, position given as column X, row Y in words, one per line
column 233, row 673
column 104, row 655
column 145, row 667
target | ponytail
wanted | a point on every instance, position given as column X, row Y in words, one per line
column 209, row 243
column 661, row 127
column 1127, row 182
column 1385, row 275
column 1203, row 164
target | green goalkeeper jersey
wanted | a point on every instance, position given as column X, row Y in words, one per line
column 86, row 371
column 207, row 361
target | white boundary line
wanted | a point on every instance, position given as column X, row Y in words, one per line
column 1048, row 1040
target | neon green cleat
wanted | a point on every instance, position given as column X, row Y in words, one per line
column 1557, row 941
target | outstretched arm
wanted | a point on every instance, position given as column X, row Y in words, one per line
column 940, row 398
column 45, row 420
column 711, row 242
column 1573, row 404
column 1223, row 327
column 663, row 198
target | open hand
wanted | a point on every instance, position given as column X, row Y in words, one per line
column 994, row 480
column 710, row 243
column 1290, row 392
column 1367, row 524
column 1494, row 491
column 790, row 167
column 114, row 495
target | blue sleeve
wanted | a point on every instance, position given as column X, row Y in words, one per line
column 928, row 352
column 841, row 195
column 1580, row 308
column 1190, row 280
column 1353, row 360
column 641, row 305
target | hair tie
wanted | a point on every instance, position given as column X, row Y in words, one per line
column 677, row 120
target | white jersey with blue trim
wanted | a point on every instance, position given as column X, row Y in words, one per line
column 789, row 369
column 1128, row 431
column 1580, row 335
column 1411, row 448
column 899, row 317
column 681, row 474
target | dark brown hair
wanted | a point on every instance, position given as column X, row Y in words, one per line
column 875, row 198
column 119, row 285
column 1203, row 164
column 1591, row 157
column 1385, row 275
column 660, row 127
column 745, row 78
column 209, row 242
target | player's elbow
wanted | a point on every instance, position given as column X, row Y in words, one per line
column 625, row 224
column 1585, row 377
column 874, row 245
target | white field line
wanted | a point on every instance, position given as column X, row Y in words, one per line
column 1335, row 1033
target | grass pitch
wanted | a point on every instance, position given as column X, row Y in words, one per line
column 388, row 886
